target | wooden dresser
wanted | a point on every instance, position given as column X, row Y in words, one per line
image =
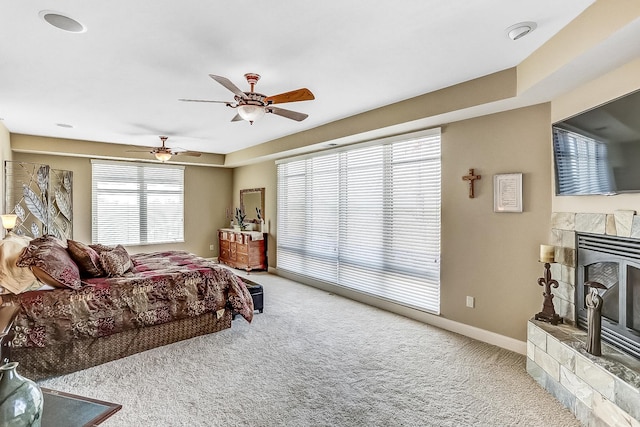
column 243, row 249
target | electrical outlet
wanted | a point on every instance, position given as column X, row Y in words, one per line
column 210, row 247
column 471, row 302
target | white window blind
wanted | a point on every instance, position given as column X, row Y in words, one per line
column 137, row 204
column 366, row 218
column 581, row 164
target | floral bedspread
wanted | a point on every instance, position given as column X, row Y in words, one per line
column 161, row 287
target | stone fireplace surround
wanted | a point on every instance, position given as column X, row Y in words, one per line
column 600, row 391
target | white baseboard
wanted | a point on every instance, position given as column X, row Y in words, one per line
column 483, row 335
column 476, row 333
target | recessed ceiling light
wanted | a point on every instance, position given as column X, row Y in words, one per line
column 520, row 30
column 62, row 21
column 64, row 125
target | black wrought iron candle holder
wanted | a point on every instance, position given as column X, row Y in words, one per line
column 548, row 313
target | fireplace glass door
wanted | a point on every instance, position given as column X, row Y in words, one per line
column 614, row 262
column 633, row 298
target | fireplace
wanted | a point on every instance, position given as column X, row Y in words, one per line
column 614, row 262
column 598, row 390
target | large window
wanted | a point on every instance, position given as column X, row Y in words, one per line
column 137, row 204
column 366, row 218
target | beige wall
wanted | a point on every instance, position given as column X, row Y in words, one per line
column 208, row 191
column 260, row 175
column 493, row 256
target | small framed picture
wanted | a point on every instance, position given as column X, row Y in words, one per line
column 507, row 192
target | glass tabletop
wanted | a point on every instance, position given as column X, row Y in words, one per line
column 69, row 410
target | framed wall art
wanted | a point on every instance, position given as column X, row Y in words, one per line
column 507, row 192
column 41, row 197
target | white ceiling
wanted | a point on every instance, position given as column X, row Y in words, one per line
column 120, row 81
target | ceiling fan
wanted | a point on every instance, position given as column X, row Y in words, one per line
column 253, row 105
column 163, row 153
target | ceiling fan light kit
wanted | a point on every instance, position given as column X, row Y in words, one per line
column 253, row 106
column 251, row 113
column 163, row 156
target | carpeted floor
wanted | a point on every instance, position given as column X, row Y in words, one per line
column 316, row 359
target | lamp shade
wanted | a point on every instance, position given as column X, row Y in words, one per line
column 163, row 156
column 251, row 113
column 9, row 221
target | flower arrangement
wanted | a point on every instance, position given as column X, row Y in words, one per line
column 240, row 216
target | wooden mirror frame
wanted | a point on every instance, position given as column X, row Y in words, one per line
column 251, row 215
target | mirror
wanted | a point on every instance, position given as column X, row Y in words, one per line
column 251, row 199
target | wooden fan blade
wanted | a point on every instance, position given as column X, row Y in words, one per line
column 229, row 85
column 237, row 118
column 293, row 115
column 187, row 153
column 205, row 100
column 303, row 94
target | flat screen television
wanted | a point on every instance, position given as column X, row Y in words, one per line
column 598, row 150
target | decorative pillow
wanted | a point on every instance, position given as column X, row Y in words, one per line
column 86, row 257
column 99, row 248
column 116, row 262
column 13, row 278
column 50, row 262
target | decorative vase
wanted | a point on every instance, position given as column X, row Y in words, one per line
column 21, row 399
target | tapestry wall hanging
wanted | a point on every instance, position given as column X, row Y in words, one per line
column 41, row 197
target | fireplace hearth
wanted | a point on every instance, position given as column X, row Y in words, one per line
column 598, row 390
column 614, row 262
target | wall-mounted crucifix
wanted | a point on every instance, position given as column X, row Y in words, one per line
column 471, row 178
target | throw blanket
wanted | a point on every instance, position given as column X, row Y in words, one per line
column 162, row 287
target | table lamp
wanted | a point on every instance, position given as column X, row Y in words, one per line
column 9, row 221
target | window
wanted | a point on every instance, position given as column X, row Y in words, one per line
column 366, row 218
column 137, row 204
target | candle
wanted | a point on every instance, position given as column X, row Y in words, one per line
column 547, row 253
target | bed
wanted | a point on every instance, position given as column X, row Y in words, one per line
column 130, row 303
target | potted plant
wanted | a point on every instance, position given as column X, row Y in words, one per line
column 240, row 216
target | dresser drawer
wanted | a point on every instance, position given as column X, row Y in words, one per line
column 239, row 250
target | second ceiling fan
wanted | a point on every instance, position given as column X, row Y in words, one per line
column 252, row 105
column 164, row 153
